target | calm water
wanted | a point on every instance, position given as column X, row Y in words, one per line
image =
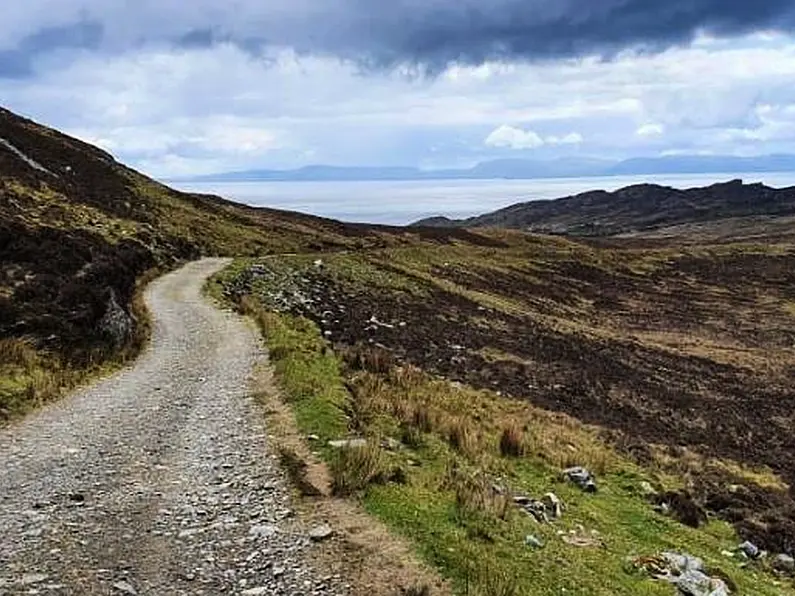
column 405, row 202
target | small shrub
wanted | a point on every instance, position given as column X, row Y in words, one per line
column 512, row 441
column 353, row 469
column 462, row 438
column 411, row 437
column 18, row 352
column 423, row 419
column 475, row 496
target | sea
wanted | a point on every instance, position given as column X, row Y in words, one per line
column 404, row 202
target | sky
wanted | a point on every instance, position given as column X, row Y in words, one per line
column 179, row 88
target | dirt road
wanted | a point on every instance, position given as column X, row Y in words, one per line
column 157, row 480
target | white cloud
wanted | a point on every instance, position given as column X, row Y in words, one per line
column 650, row 130
column 514, row 138
column 573, row 138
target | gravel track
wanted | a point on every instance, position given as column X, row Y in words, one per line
column 157, row 480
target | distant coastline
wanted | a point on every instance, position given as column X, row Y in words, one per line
column 518, row 169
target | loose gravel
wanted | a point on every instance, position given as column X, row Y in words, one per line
column 159, row 479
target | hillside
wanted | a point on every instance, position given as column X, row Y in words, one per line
column 77, row 232
column 469, row 377
column 642, row 209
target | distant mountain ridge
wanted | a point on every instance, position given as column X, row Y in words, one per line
column 521, row 169
column 635, row 208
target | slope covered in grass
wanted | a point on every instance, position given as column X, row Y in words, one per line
column 474, row 367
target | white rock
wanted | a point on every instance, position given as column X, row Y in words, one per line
column 259, row 591
column 321, row 533
column 125, row 587
column 553, row 505
column 348, row 443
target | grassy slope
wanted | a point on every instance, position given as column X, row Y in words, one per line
column 453, row 430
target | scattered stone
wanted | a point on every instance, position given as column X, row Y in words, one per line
column 348, row 444
column 685, row 572
column 312, row 438
column 522, row 500
column 125, row 588
column 321, row 533
column 582, row 478
column 33, row 578
column 278, row 571
column 263, row 531
column 784, row 564
column 537, row 511
column 533, row 541
column 259, row 591
column 553, row 505
column 749, row 549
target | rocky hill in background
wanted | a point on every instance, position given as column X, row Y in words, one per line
column 642, row 209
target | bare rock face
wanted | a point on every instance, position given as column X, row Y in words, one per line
column 116, row 323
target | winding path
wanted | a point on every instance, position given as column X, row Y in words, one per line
column 157, row 480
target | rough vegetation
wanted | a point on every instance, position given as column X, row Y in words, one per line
column 476, row 367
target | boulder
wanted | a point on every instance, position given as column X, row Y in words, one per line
column 749, row 549
column 582, row 478
column 784, row 564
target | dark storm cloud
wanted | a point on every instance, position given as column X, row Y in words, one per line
column 430, row 34
column 18, row 62
column 436, row 33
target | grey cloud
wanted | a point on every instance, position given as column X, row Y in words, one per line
column 19, row 61
column 429, row 34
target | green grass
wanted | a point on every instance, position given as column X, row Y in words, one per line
column 441, row 505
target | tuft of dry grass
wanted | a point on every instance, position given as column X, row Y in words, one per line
column 16, row 351
column 353, row 469
column 512, row 441
column 474, row 493
column 462, row 437
column 369, row 358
